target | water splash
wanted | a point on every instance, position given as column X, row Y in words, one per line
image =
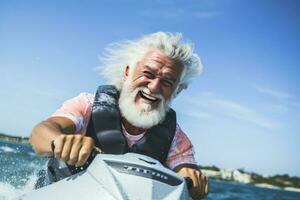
column 18, row 169
column 11, row 192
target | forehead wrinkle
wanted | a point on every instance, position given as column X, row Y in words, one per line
column 158, row 61
column 168, row 65
column 164, row 74
column 165, row 61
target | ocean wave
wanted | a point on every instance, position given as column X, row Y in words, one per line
column 31, row 154
column 8, row 149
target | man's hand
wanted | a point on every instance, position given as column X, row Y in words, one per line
column 200, row 182
column 73, row 149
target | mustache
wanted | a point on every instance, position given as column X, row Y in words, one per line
column 148, row 92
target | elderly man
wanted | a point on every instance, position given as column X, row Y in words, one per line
column 145, row 76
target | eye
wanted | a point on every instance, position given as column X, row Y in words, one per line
column 167, row 83
column 148, row 74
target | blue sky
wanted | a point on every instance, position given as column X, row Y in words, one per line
column 242, row 112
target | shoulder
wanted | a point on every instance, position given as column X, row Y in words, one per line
column 181, row 139
column 79, row 103
column 77, row 106
column 86, row 97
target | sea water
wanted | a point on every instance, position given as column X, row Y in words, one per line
column 19, row 166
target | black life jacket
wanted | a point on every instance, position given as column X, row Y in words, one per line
column 106, row 130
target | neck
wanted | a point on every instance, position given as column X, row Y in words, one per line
column 132, row 130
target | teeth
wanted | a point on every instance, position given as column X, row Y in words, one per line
column 148, row 96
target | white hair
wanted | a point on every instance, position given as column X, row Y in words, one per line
column 128, row 53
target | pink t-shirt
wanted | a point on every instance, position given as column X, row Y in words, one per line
column 78, row 109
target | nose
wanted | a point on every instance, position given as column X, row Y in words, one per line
column 154, row 86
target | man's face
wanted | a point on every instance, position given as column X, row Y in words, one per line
column 147, row 91
column 159, row 74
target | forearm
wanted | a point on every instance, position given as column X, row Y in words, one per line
column 42, row 135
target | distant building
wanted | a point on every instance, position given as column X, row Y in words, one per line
column 241, row 177
column 229, row 175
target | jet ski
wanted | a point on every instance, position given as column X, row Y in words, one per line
column 117, row 177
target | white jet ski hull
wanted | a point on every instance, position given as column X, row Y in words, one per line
column 117, row 177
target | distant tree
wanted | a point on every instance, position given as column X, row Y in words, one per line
column 242, row 170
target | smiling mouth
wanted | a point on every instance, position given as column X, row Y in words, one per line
column 148, row 97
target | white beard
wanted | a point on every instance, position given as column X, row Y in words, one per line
column 142, row 116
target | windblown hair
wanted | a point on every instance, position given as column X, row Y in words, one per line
column 128, row 53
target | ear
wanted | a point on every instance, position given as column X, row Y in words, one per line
column 126, row 72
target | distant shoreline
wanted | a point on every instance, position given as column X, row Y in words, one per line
column 279, row 182
column 265, row 185
column 12, row 138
